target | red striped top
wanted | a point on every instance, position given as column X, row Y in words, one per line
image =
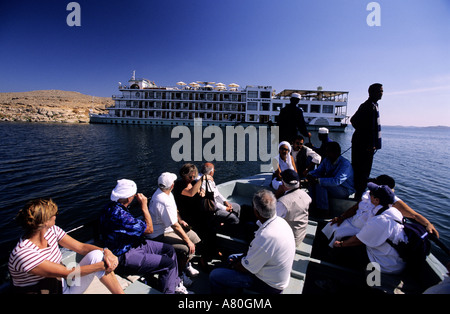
column 26, row 256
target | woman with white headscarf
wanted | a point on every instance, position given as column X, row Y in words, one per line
column 283, row 161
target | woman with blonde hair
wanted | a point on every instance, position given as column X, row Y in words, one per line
column 35, row 263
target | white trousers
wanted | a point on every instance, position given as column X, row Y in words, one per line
column 74, row 283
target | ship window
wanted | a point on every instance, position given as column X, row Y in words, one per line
column 277, row 106
column 327, row 109
column 252, row 106
column 265, row 106
column 252, row 94
column 315, row 108
column 265, row 94
column 304, row 108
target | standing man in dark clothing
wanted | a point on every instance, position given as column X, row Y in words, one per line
column 291, row 120
column 366, row 139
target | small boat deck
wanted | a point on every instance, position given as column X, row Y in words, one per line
column 312, row 271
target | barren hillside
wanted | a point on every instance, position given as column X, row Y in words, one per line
column 50, row 106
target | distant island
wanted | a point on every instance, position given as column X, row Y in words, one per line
column 51, row 106
column 426, row 127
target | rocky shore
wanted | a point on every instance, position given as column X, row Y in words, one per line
column 51, row 106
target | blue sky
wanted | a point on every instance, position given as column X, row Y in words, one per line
column 284, row 43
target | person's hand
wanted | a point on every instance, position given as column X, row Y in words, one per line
column 142, row 199
column 337, row 243
column 337, row 220
column 191, row 247
column 312, row 180
column 111, row 261
column 431, row 229
column 229, row 206
column 183, row 223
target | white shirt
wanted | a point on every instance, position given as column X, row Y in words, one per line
column 163, row 210
column 315, row 157
column 271, row 253
column 374, row 235
column 353, row 225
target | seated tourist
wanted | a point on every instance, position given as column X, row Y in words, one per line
column 35, row 263
column 226, row 212
column 333, row 178
column 376, row 231
column 125, row 236
column 306, row 159
column 283, row 161
column 294, row 204
column 266, row 267
column 167, row 227
column 352, row 220
column 187, row 198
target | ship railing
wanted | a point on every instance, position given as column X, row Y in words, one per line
column 200, row 88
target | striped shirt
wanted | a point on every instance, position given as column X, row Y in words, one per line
column 26, row 256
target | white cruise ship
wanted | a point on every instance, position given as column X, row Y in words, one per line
column 144, row 102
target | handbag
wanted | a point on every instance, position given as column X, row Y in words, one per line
column 208, row 202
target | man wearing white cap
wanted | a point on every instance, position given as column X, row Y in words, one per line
column 291, row 120
column 124, row 235
column 167, row 228
column 323, row 137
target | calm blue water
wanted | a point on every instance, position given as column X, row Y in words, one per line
column 78, row 165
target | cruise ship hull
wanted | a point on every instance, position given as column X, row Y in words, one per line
column 165, row 122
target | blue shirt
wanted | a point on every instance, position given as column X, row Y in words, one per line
column 120, row 230
column 334, row 174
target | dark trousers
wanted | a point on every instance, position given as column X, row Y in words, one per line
column 226, row 280
column 362, row 159
column 149, row 258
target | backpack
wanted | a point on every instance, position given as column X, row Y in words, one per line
column 418, row 247
column 415, row 252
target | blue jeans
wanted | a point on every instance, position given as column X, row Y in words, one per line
column 225, row 280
